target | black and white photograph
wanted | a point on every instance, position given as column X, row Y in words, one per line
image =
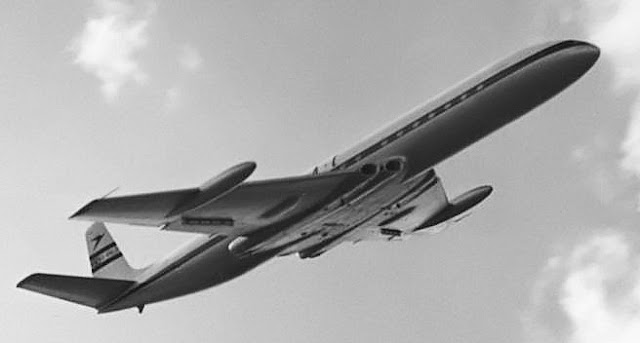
column 320, row 171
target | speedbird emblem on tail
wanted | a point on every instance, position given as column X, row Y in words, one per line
column 383, row 188
column 96, row 240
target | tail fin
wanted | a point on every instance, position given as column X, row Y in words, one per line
column 106, row 259
column 92, row 292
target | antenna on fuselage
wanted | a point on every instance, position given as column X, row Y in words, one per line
column 110, row 192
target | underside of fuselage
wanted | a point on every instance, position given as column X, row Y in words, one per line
column 210, row 265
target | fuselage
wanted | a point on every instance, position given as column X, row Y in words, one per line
column 424, row 137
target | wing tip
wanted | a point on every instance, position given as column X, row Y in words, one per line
column 82, row 210
column 24, row 283
column 31, row 282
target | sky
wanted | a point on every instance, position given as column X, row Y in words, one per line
column 150, row 95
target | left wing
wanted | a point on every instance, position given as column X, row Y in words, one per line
column 422, row 205
column 392, row 211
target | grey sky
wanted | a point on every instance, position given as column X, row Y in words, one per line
column 150, row 96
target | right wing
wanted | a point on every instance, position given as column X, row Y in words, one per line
column 249, row 206
column 140, row 209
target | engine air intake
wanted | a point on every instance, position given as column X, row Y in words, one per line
column 369, row 169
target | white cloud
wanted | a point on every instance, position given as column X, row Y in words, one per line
column 595, row 287
column 190, row 61
column 189, row 58
column 173, row 98
column 611, row 186
column 614, row 26
column 108, row 43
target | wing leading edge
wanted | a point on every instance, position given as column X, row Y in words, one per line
column 247, row 206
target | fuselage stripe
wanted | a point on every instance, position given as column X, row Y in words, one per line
column 103, row 249
column 427, row 117
column 105, row 262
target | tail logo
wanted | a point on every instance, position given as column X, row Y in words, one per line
column 96, row 240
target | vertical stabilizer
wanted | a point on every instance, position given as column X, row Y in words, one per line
column 106, row 259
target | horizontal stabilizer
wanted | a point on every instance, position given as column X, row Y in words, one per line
column 88, row 291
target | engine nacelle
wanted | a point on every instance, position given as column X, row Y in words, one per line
column 457, row 206
column 216, row 187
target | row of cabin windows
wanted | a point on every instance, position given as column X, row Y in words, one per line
column 412, row 126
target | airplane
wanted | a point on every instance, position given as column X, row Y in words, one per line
column 385, row 187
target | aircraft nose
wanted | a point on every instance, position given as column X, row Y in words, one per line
column 566, row 62
column 583, row 54
column 589, row 52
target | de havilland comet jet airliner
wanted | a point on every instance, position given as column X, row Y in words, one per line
column 383, row 188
